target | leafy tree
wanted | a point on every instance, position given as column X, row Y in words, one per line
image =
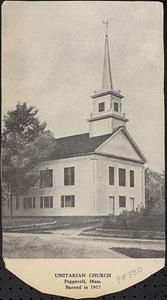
column 23, row 121
column 24, row 142
column 155, row 192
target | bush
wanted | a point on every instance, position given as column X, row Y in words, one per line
column 135, row 221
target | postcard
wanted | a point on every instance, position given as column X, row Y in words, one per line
column 83, row 202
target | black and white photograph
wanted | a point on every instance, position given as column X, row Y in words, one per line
column 82, row 130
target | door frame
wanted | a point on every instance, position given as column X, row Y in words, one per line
column 132, row 198
column 113, row 199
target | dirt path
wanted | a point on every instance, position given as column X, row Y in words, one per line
column 67, row 243
column 55, row 245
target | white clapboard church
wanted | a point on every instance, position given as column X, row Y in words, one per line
column 91, row 174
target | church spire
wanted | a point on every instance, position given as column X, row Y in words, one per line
column 107, row 78
column 107, row 112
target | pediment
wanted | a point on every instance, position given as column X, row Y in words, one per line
column 121, row 144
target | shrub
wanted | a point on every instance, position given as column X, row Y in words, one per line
column 137, row 220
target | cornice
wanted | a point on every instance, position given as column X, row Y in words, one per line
column 107, row 116
column 104, row 93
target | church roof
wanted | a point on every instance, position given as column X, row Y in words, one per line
column 75, row 145
column 82, row 144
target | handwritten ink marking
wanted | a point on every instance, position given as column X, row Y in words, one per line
column 132, row 273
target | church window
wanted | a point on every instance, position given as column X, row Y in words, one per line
column 101, row 106
column 29, row 202
column 111, row 175
column 131, row 178
column 46, row 178
column 68, row 201
column 116, row 107
column 122, row 201
column 69, row 176
column 46, row 202
column 122, row 177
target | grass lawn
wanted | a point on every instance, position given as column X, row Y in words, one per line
column 56, row 245
column 140, row 253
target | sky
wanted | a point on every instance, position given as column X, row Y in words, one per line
column 52, row 54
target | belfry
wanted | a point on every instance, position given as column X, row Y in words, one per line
column 107, row 103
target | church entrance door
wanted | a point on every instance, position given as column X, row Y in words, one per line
column 112, row 205
column 132, row 203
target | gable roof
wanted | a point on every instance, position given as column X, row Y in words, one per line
column 82, row 144
column 75, row 145
column 129, row 138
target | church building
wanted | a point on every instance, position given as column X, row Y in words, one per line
column 97, row 173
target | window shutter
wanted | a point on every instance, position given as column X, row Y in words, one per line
column 62, row 201
column 131, row 178
column 51, row 201
column 72, row 176
column 48, row 178
column 111, row 175
column 73, row 201
column 17, row 203
column 33, row 199
column 41, row 202
column 24, row 203
column 65, row 176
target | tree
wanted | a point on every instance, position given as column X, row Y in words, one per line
column 155, row 192
column 23, row 122
column 24, row 142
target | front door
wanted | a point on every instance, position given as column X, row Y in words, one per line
column 112, row 205
column 132, row 203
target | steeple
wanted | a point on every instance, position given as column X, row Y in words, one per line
column 107, row 103
column 107, row 78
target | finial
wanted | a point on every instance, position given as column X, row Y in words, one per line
column 106, row 23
